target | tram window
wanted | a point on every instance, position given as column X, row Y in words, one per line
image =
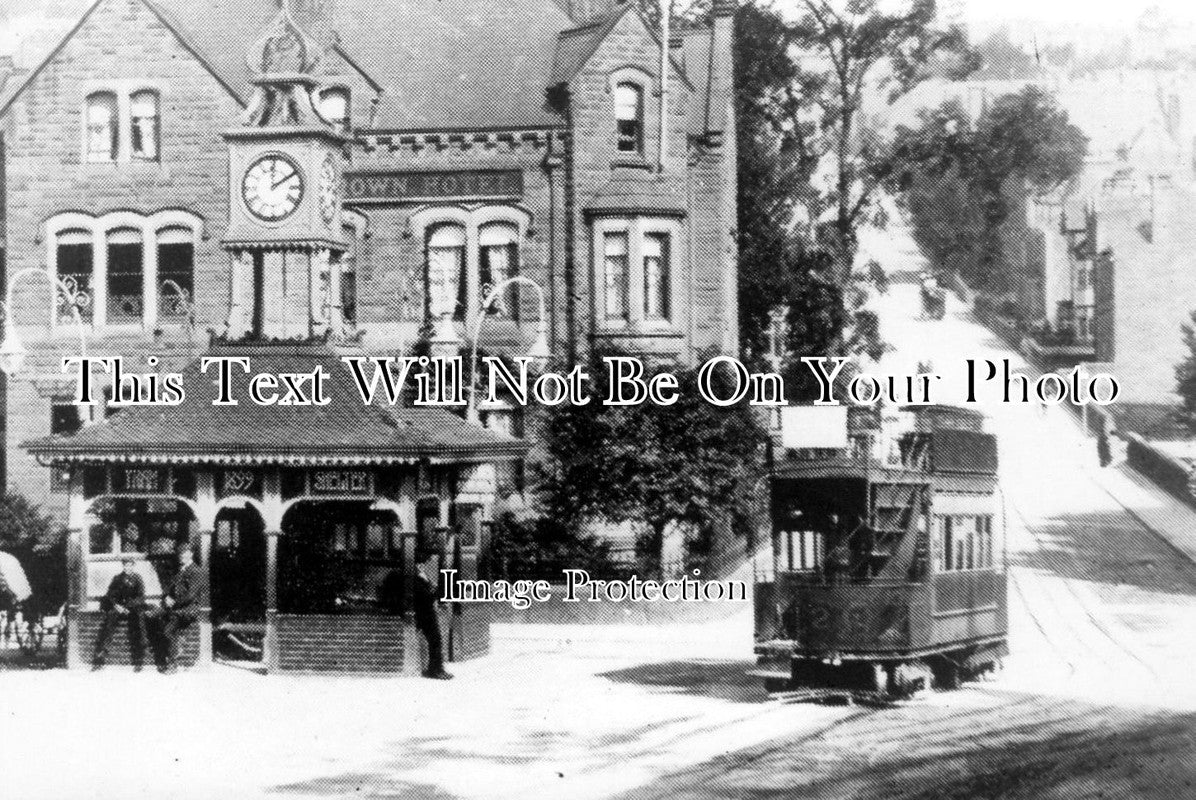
column 802, row 550
column 963, row 542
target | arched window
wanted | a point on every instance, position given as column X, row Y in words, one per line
column 143, row 110
column 76, row 264
column 126, row 270
column 629, row 117
column 498, row 260
column 334, row 107
column 447, row 278
column 176, row 272
column 102, row 128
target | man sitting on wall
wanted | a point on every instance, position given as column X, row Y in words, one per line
column 125, row 599
column 180, row 609
column 424, row 599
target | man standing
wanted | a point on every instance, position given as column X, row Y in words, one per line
column 424, row 599
column 180, row 609
column 125, row 599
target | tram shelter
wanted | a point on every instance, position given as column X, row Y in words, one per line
column 307, row 518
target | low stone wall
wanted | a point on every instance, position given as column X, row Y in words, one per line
column 88, row 628
column 1164, row 470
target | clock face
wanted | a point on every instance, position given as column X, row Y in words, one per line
column 272, row 187
column 326, row 190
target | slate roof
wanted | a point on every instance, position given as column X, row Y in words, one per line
column 439, row 64
column 638, row 191
column 343, row 431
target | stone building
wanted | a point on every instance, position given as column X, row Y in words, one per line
column 293, row 183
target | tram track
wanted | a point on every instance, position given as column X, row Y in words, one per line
column 1065, row 567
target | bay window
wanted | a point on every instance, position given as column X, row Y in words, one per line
column 135, row 268
column 616, row 265
column 634, row 262
column 656, row 276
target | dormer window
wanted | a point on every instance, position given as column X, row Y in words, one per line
column 102, row 129
column 334, row 107
column 629, row 118
column 143, row 110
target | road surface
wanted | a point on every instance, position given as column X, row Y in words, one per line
column 1098, row 698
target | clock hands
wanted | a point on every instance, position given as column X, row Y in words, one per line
column 281, row 180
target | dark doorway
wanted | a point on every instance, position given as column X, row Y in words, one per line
column 338, row 557
column 238, row 582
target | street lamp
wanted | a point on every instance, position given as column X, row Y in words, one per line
column 539, row 352
column 66, row 294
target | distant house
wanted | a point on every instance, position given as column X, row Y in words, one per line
column 1106, row 260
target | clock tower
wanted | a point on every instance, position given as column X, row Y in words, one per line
column 285, row 233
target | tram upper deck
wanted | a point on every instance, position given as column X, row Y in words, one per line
column 890, row 548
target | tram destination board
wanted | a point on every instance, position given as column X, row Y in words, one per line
column 391, row 186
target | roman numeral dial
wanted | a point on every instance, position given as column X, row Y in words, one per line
column 272, row 188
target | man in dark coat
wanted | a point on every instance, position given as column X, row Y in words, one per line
column 180, row 609
column 125, row 599
column 424, row 599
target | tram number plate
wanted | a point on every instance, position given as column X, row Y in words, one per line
column 859, row 621
column 340, row 482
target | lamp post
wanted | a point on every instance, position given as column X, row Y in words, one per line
column 66, row 294
column 538, row 352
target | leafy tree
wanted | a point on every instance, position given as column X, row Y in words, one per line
column 691, row 463
column 855, row 52
column 39, row 544
column 540, row 548
column 1185, row 376
column 958, row 176
column 23, row 526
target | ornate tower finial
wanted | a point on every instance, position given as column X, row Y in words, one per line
column 285, row 48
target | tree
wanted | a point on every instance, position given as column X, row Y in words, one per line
column 957, row 176
column 40, row 545
column 1185, row 376
column 859, row 50
column 690, row 463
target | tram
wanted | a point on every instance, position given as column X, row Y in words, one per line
column 888, row 559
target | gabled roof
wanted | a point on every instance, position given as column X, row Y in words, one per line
column 232, row 44
column 437, row 64
column 576, row 46
column 345, row 430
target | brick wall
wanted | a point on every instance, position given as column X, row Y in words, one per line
column 121, row 42
column 118, row 645
column 332, row 643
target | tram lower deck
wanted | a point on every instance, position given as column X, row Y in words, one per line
column 887, row 575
